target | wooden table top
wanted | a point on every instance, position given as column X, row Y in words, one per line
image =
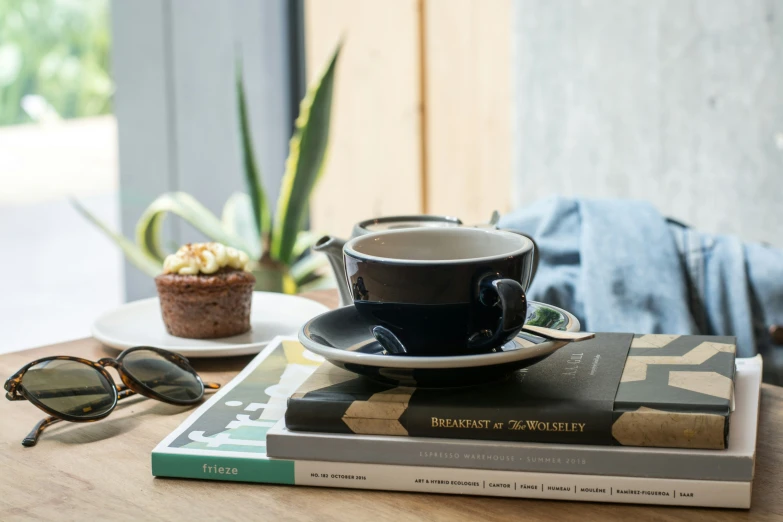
column 101, row 471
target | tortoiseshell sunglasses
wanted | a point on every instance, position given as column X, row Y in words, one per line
column 78, row 390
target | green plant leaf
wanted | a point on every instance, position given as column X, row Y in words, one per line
column 238, row 219
column 307, row 269
column 135, row 255
column 307, row 151
column 149, row 226
column 304, row 240
column 269, row 280
column 318, row 284
column 255, row 187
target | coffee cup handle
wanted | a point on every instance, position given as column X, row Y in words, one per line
column 509, row 296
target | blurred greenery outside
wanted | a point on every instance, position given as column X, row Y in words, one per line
column 54, row 60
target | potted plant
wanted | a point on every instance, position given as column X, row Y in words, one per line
column 278, row 244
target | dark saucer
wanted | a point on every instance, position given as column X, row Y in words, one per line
column 345, row 339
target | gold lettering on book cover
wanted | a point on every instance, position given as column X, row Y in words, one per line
column 511, row 425
column 460, row 423
column 536, row 425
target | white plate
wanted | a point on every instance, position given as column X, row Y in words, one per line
column 139, row 323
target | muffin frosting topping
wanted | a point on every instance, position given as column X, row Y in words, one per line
column 205, row 258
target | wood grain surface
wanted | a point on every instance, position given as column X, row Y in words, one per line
column 468, row 107
column 422, row 109
column 373, row 166
column 101, row 471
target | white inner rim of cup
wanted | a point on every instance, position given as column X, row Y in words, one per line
column 437, row 245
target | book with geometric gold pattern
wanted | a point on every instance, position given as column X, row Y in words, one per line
column 656, row 390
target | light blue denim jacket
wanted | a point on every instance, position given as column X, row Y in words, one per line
column 620, row 266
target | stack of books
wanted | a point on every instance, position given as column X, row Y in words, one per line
column 679, row 428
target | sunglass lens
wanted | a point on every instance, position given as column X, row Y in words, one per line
column 70, row 387
column 163, row 376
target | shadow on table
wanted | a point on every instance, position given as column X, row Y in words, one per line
column 124, row 419
column 220, row 364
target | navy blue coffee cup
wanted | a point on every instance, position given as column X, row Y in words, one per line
column 440, row 291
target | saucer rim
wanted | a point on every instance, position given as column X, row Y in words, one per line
column 435, row 362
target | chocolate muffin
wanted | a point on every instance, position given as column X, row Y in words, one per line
column 206, row 291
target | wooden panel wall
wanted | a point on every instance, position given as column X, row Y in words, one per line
column 374, row 160
column 421, row 121
column 468, row 107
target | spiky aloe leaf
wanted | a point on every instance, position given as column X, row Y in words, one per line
column 238, row 219
column 135, row 255
column 304, row 240
column 318, row 284
column 255, row 187
column 149, row 226
column 308, row 268
column 307, row 151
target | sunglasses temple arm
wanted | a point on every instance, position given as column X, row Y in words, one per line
column 32, row 437
column 123, row 392
column 211, row 385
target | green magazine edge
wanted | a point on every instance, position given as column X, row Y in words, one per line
column 248, row 470
column 190, row 463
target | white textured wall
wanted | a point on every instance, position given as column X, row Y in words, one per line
column 679, row 102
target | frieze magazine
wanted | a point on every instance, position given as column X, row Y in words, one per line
column 226, row 439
